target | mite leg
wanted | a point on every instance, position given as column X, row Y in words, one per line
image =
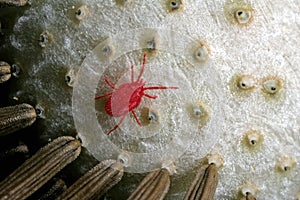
column 102, row 96
column 160, row 88
column 116, row 126
column 136, row 119
column 132, row 73
column 150, row 97
column 143, row 66
column 109, row 83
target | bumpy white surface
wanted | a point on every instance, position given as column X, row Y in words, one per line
column 267, row 47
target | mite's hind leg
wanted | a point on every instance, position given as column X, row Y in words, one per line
column 116, row 126
column 143, row 67
column 102, row 96
column 109, row 83
column 150, row 96
column 136, row 119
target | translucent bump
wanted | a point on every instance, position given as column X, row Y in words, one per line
column 285, row 164
column 105, row 50
column 243, row 16
column 238, row 12
column 70, row 77
column 216, row 159
column 149, row 116
column 253, row 138
column 246, row 82
column 175, row 5
column 249, row 188
column 149, row 42
column 271, row 85
column 82, row 12
column 125, row 159
column 202, row 52
column 153, row 116
column 45, row 39
column 199, row 111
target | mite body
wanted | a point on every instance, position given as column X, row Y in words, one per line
column 128, row 96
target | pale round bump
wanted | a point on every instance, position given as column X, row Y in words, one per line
column 70, row 77
column 199, row 111
column 153, row 116
column 105, row 51
column 243, row 16
column 271, row 85
column 82, row 12
column 45, row 39
column 125, row 159
column 248, row 188
column 201, row 52
column 246, row 82
column 238, row 12
column 215, row 159
column 149, row 116
column 253, row 138
column 150, row 43
column 285, row 164
column 170, row 166
column 175, row 5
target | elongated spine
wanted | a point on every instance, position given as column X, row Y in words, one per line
column 95, row 182
column 14, row 2
column 51, row 190
column 204, row 185
column 40, row 168
column 153, row 187
column 14, row 118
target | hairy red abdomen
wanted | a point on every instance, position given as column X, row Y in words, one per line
column 125, row 99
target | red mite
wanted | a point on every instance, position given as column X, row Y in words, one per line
column 128, row 96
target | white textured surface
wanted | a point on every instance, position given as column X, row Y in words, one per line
column 267, row 47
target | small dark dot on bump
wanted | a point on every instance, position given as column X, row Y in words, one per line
column 252, row 142
column 78, row 12
column 38, row 111
column 240, row 13
column 68, row 79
